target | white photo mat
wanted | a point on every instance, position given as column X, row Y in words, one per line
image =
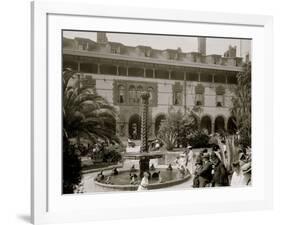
column 49, row 205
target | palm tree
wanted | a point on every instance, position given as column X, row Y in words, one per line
column 87, row 114
column 241, row 109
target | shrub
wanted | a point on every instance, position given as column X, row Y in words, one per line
column 108, row 154
column 174, row 130
column 112, row 154
column 198, row 139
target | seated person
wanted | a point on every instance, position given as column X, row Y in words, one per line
column 177, row 161
column 182, row 171
column 108, row 180
column 133, row 169
column 133, row 175
column 155, row 175
column 114, row 172
column 100, row 176
column 131, row 143
column 133, row 179
column 152, row 168
column 157, row 145
column 170, row 168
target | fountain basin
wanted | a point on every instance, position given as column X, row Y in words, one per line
column 122, row 180
column 139, row 155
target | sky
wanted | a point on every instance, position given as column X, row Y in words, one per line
column 161, row 42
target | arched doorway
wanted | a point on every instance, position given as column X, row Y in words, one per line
column 135, row 127
column 206, row 124
column 159, row 119
column 219, row 124
column 231, row 125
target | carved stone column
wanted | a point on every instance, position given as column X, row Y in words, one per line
column 144, row 121
column 144, row 161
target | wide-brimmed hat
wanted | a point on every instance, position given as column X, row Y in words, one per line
column 246, row 168
column 236, row 164
column 206, row 156
column 146, row 174
column 215, row 155
column 198, row 161
column 241, row 156
column 189, row 147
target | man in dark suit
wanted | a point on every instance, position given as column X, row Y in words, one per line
column 205, row 175
column 220, row 175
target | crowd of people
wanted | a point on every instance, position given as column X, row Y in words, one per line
column 213, row 167
column 216, row 166
column 210, row 170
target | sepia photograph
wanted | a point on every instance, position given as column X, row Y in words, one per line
column 146, row 112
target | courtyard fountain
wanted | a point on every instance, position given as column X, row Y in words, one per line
column 122, row 180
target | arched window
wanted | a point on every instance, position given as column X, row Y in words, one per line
column 147, row 52
column 177, row 97
column 150, row 91
column 132, row 94
column 219, row 100
column 177, row 94
column 121, row 94
column 220, row 96
column 138, row 94
column 135, row 127
column 199, row 95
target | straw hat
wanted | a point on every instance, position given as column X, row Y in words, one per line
column 246, row 168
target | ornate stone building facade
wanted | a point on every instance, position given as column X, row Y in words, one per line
column 185, row 81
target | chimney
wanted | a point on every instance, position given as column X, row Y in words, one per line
column 231, row 52
column 101, row 38
column 202, row 45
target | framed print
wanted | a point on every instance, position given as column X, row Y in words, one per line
column 139, row 116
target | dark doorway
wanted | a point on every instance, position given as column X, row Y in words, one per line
column 206, row 124
column 219, row 125
column 135, row 127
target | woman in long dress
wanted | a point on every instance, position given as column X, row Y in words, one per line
column 238, row 177
column 191, row 160
column 144, row 182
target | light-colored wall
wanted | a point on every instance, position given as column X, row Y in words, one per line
column 104, row 88
column 104, row 85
